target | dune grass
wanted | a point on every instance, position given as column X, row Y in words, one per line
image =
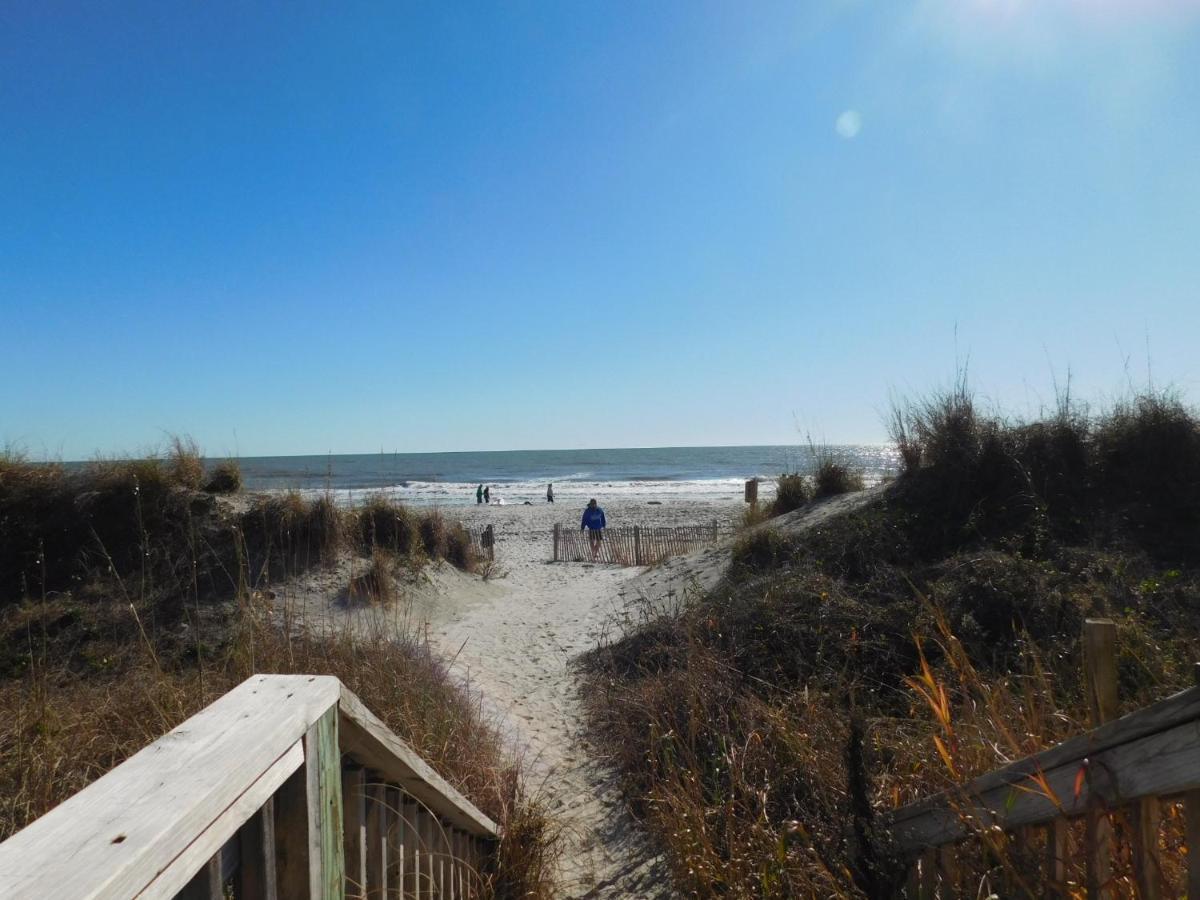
column 129, row 601
column 762, row 729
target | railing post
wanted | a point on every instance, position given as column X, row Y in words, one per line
column 1191, row 812
column 308, row 820
column 637, row 545
column 557, row 538
column 1100, row 677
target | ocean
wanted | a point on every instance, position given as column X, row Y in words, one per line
column 514, row 476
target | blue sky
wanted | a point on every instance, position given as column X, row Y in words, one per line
column 302, row 227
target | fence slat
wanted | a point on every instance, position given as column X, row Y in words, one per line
column 256, row 875
column 354, row 828
column 1056, row 857
column 631, row 545
column 378, row 821
column 1100, row 673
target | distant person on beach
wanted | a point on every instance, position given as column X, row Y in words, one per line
column 593, row 521
column 487, row 495
column 550, row 493
column 479, row 494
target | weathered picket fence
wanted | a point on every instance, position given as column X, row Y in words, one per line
column 632, row 545
column 1126, row 769
column 484, row 541
column 286, row 787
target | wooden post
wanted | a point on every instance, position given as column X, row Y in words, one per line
column 354, row 828
column 1191, row 812
column 716, row 531
column 308, row 818
column 929, row 874
column 256, row 875
column 637, row 545
column 1100, row 677
column 557, row 538
column 1056, row 857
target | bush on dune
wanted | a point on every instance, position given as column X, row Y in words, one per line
column 224, row 478
column 759, row 727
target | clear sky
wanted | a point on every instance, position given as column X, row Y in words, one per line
column 309, row 227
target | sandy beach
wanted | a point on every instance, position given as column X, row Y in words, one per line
column 515, row 645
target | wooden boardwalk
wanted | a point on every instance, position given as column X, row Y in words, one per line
column 286, row 787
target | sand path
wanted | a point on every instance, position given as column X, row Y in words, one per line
column 516, row 648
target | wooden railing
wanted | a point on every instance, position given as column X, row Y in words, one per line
column 631, row 545
column 286, row 787
column 1133, row 764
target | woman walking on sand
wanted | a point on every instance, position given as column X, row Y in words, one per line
column 593, row 521
column 479, row 494
column 550, row 493
column 487, row 494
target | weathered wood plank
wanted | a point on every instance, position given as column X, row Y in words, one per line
column 1161, row 764
column 1100, row 677
column 131, row 827
column 371, row 743
column 323, row 763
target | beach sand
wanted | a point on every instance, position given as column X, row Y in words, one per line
column 512, row 635
column 516, row 647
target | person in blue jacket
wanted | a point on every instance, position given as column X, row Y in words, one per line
column 593, row 521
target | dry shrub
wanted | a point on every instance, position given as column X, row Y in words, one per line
column 833, row 478
column 433, row 534
column 1015, row 532
column 384, row 523
column 791, row 493
column 61, row 730
column 289, row 533
column 460, row 552
column 224, row 478
column 374, row 584
column 185, row 464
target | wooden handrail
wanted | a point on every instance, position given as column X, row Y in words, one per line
column 162, row 819
column 1133, row 762
column 1154, row 751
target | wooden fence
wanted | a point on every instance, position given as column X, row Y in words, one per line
column 286, row 787
column 632, row 545
column 483, row 540
column 1122, row 772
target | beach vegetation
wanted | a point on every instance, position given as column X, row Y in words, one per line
column 129, row 601
column 762, row 728
column 791, row 493
column 224, row 477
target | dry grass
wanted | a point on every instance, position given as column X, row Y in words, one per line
column 761, row 730
column 375, row 583
column 224, row 478
column 129, row 601
column 791, row 493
